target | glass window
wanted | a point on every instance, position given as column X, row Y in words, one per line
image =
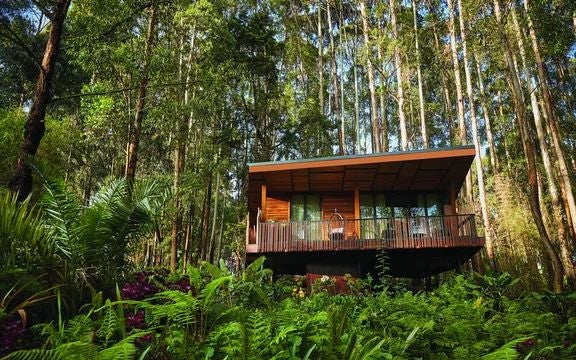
column 305, row 208
column 374, row 212
column 380, row 206
column 313, row 208
column 434, row 204
column 366, row 206
column 297, row 207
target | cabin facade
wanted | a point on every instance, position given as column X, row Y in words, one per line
column 334, row 215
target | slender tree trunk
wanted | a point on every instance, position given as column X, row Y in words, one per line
column 375, row 135
column 21, row 183
column 457, row 76
column 214, row 218
column 132, row 158
column 356, row 100
column 334, row 72
column 565, row 246
column 383, row 116
column 419, row 75
column 180, row 155
column 459, row 94
column 528, row 146
column 552, row 123
column 400, row 90
column 320, row 59
column 342, row 34
column 476, row 139
column 220, row 232
column 445, row 91
column 486, row 113
column 205, row 223
column 188, row 235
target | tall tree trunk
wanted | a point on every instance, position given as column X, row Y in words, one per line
column 383, row 116
column 400, row 90
column 565, row 246
column 419, row 75
column 356, row 98
column 459, row 94
column 457, row 77
column 337, row 112
column 180, row 155
column 476, row 139
column 21, row 183
column 132, row 158
column 205, row 222
column 552, row 123
column 444, row 82
column 220, row 232
column 528, row 146
column 375, row 135
column 320, row 59
column 214, row 218
column 342, row 34
column 487, row 122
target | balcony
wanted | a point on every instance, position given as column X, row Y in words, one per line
column 420, row 232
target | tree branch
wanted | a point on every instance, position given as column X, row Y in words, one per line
column 13, row 36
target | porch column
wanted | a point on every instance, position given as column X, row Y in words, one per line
column 357, row 210
column 263, row 201
column 453, row 198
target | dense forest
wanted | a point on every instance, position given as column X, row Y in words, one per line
column 126, row 128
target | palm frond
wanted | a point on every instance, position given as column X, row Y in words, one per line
column 22, row 234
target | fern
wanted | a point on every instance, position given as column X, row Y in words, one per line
column 506, row 352
column 109, row 325
column 171, row 307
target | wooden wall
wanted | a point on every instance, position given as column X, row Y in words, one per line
column 278, row 207
column 344, row 203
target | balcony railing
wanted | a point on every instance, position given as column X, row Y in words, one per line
column 354, row 234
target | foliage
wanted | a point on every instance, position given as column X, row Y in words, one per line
column 212, row 314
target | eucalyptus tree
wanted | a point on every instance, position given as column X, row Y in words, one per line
column 368, row 49
column 35, row 126
column 529, row 151
column 399, row 79
column 422, row 110
column 552, row 121
column 559, row 225
column 476, row 139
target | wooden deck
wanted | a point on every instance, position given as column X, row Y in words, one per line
column 433, row 232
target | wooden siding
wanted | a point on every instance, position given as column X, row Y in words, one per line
column 344, row 204
column 278, row 207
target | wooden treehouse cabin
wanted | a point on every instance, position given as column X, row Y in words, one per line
column 333, row 215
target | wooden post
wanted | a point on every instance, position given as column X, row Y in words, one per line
column 263, row 202
column 357, row 210
column 248, row 228
column 453, row 198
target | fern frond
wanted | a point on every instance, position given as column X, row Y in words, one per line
column 109, row 324
column 506, row 351
column 34, row 354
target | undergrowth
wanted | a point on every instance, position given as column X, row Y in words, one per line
column 212, row 314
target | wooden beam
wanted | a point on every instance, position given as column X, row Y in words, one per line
column 263, row 201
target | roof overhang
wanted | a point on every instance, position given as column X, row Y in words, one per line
column 422, row 170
